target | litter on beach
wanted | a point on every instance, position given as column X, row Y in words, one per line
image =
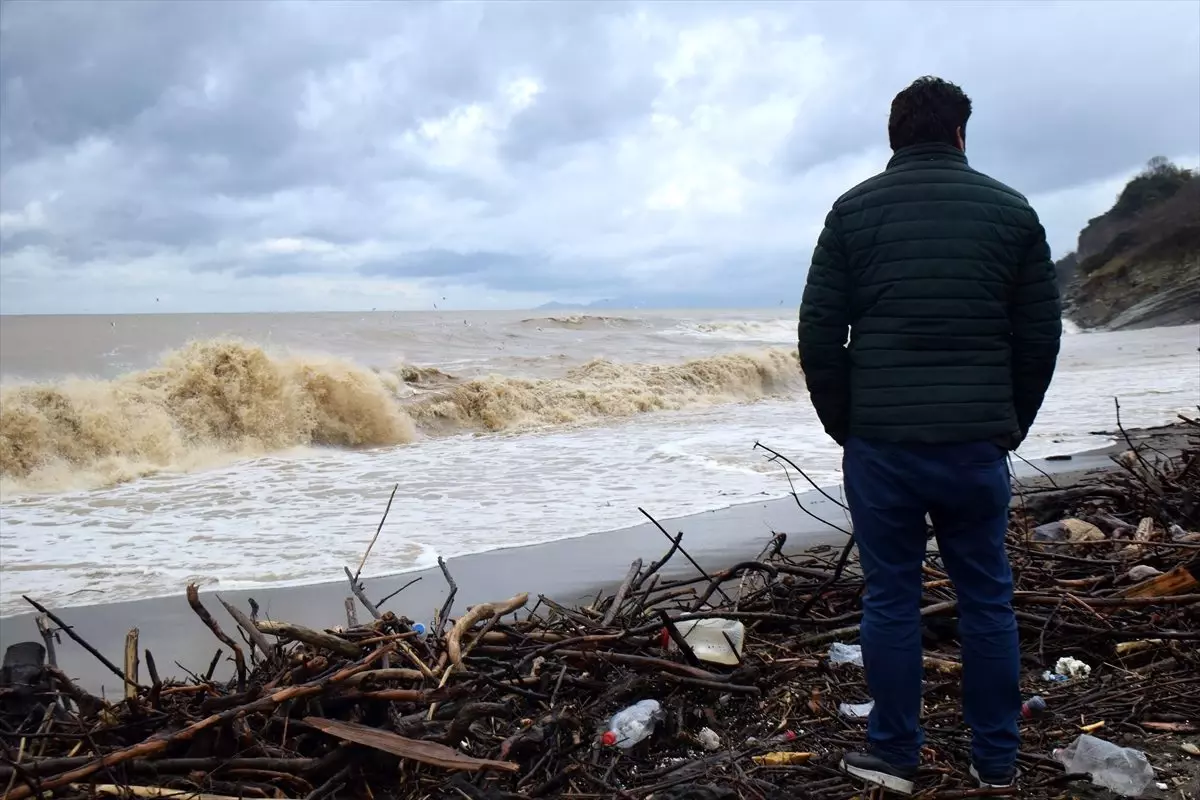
column 527, row 697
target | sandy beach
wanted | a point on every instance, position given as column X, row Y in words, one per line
column 567, row 570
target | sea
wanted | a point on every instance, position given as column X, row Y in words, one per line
column 139, row 453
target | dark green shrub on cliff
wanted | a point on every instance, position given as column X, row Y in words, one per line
column 1159, row 181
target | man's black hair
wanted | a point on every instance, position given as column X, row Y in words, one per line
column 929, row 111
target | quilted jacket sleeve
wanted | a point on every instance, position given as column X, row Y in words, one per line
column 1036, row 329
column 824, row 321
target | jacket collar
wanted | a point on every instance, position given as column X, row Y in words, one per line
column 927, row 152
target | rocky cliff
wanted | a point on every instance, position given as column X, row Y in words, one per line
column 1138, row 264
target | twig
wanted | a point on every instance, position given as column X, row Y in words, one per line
column 155, row 745
column 686, row 555
column 1043, row 472
column 689, row 655
column 444, row 614
column 834, row 578
column 357, row 588
column 398, row 591
column 803, row 474
column 657, row 565
column 113, row 668
column 382, row 520
column 239, row 658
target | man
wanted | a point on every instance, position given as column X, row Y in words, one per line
column 942, row 278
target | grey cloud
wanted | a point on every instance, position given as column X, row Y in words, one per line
column 280, row 266
column 1076, row 97
column 439, row 264
column 504, row 271
column 189, row 131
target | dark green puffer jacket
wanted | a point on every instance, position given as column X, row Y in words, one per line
column 943, row 278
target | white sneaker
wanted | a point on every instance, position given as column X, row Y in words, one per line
column 1008, row 783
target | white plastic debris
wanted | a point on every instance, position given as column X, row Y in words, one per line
column 718, row 641
column 1072, row 668
column 709, row 739
column 1067, row 530
column 1119, row 769
column 1051, row 677
column 856, row 710
column 845, row 654
column 1142, row 572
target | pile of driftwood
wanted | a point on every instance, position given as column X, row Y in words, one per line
column 510, row 699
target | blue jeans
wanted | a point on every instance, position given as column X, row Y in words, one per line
column 965, row 490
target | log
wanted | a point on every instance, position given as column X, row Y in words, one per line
column 318, row 639
column 1176, row 582
column 380, row 675
column 246, row 624
column 432, row 753
column 131, row 664
column 474, row 615
column 151, row 791
column 619, row 598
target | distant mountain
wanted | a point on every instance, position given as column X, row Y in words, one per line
column 1138, row 264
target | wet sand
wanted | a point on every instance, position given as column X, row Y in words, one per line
column 567, row 570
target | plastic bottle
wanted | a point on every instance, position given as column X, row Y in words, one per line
column 633, row 724
column 1118, row 769
column 707, row 638
column 1034, row 708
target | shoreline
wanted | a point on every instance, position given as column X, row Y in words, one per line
column 569, row 570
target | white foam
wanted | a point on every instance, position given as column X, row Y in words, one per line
column 777, row 331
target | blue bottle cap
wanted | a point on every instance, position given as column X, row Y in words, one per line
column 419, row 627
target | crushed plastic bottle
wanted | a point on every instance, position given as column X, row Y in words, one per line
column 633, row 724
column 845, row 654
column 1119, row 769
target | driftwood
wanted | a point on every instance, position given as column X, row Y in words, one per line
column 426, row 752
column 510, row 700
column 193, row 598
column 246, row 624
column 319, row 639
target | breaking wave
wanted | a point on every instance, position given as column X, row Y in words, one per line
column 603, row 388
column 220, row 400
column 587, row 322
column 772, row 331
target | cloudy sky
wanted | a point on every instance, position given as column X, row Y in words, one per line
column 235, row 156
